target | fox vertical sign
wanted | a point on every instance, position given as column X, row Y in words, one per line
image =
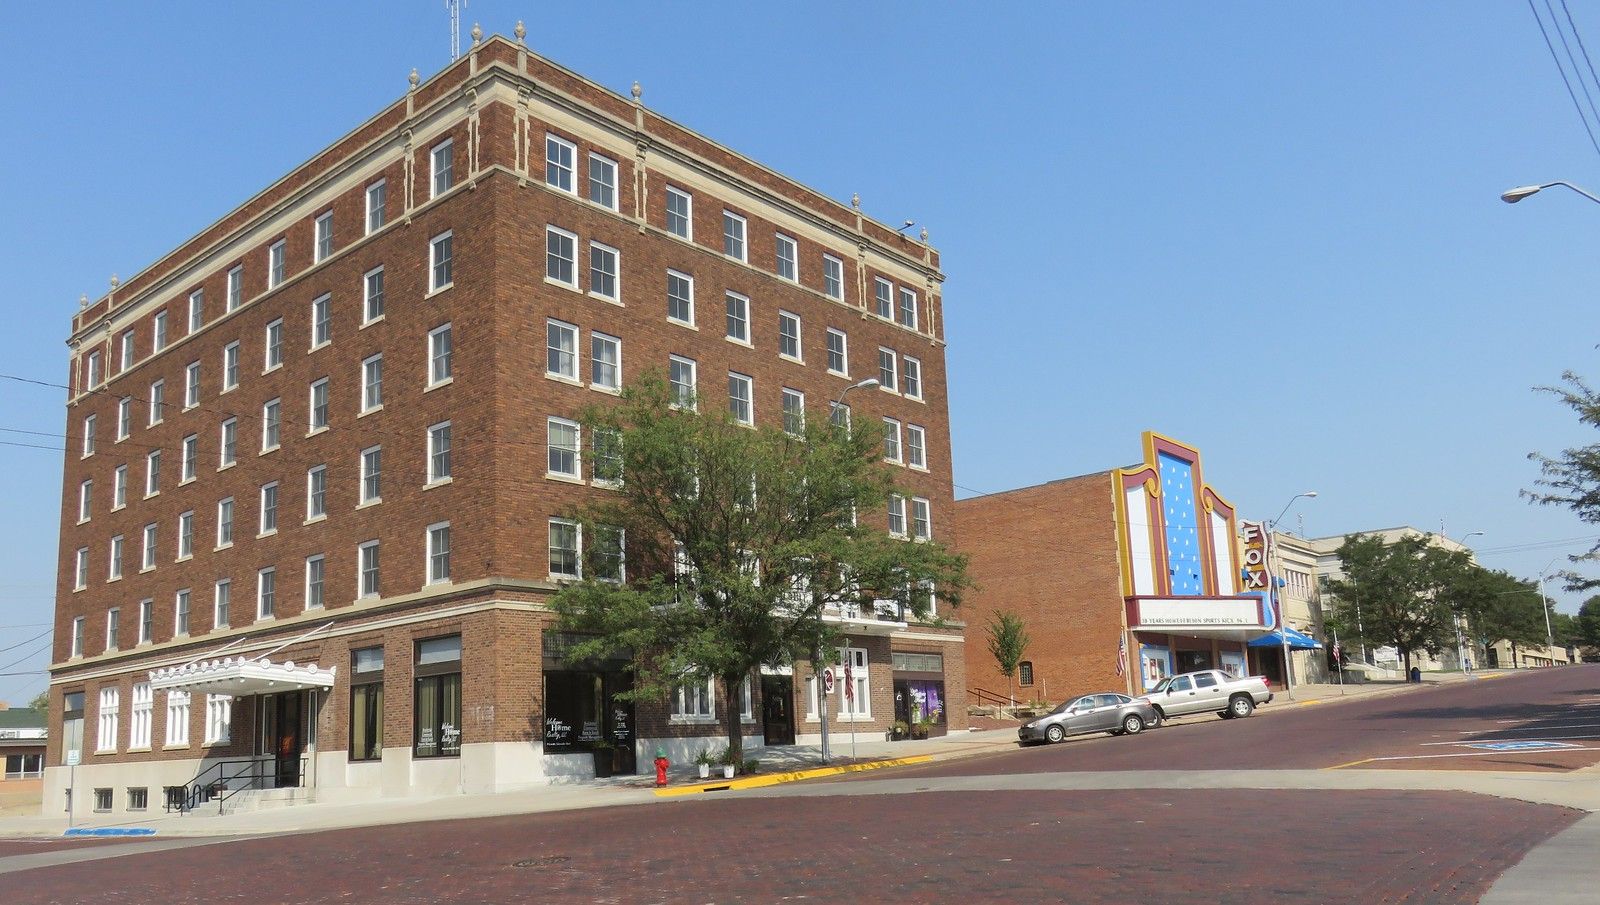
column 1254, row 572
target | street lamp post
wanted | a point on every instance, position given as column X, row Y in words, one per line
column 1461, row 656
column 1273, row 580
column 1544, row 604
column 1512, row 196
column 816, row 661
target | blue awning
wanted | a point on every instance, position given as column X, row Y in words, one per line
column 1297, row 640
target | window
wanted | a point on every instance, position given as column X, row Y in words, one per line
column 113, row 628
column 833, row 277
column 318, row 406
column 680, row 213
column 733, row 230
column 561, row 346
column 439, row 553
column 789, row 335
column 230, row 441
column 269, row 508
column 439, row 348
column 147, row 618
column 563, row 448
column 24, row 766
column 564, row 549
column 177, row 718
column 441, row 161
column 916, row 446
column 440, row 253
column 913, row 376
column 110, row 703
column 316, row 492
column 321, row 329
column 230, row 366
column 324, row 231
column 316, row 575
column 371, row 474
column 102, row 799
column 788, row 257
column 377, row 197
column 740, row 395
column 692, row 701
column 368, row 558
column 221, row 603
column 366, row 704
column 266, row 593
column 114, row 571
column 559, row 163
column 127, row 350
column 907, row 315
column 225, row 522
column 147, row 558
column 235, row 288
column 883, row 295
column 838, row 353
column 119, row 487
column 897, row 515
column 275, row 263
column 180, row 616
column 891, row 440
column 191, row 385
column 158, row 331
column 794, row 411
column 158, row 402
column 603, row 181
column 191, row 452
column 197, row 310
column 921, row 519
column 561, row 257
column 80, row 575
column 219, row 719
column 680, row 297
column 372, row 383
column 85, row 500
column 859, row 705
column 77, row 634
column 88, row 435
column 124, row 417
column 605, row 446
column 139, row 798
column 439, row 452
column 681, row 378
column 437, row 708
column 603, row 271
column 607, row 553
column 886, row 369
column 270, row 423
column 186, row 534
column 738, row 318
column 96, row 373
column 372, row 295
column 605, row 358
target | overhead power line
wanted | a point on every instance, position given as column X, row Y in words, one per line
column 1554, row 57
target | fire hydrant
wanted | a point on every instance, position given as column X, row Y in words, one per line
column 661, row 767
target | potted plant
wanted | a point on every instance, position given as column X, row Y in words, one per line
column 900, row 731
column 919, row 729
column 749, row 766
column 728, row 763
column 602, row 759
column 704, row 760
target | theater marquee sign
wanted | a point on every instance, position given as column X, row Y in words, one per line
column 1254, row 570
column 1189, row 614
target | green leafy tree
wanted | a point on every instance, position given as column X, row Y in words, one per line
column 1572, row 479
column 41, row 701
column 1503, row 607
column 1407, row 592
column 1588, row 623
column 1008, row 642
column 737, row 540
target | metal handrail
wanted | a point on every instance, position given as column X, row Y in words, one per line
column 989, row 697
column 205, row 787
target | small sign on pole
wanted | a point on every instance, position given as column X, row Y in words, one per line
column 827, row 681
column 73, row 756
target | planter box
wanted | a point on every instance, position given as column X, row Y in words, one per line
column 602, row 763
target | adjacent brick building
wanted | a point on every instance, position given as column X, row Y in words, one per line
column 320, row 454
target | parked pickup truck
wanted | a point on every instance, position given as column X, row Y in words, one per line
column 1208, row 689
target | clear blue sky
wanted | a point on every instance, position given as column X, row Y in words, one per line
column 1267, row 229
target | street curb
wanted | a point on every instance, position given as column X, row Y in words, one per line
column 772, row 779
column 110, row 832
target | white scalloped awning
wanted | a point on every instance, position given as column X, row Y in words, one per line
column 240, row 676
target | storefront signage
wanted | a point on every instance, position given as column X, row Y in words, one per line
column 557, row 734
column 1190, row 612
column 1256, row 541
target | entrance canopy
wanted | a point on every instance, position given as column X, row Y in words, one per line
column 1297, row 640
column 241, row 676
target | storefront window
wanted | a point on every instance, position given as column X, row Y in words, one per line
column 366, row 704
column 573, row 711
column 438, row 698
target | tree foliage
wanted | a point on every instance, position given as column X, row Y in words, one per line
column 1403, row 594
column 737, row 541
column 1008, row 642
column 1587, row 627
column 1572, row 479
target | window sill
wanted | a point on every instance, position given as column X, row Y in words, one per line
column 119, row 508
column 142, row 750
column 266, row 618
column 563, row 478
column 316, row 430
column 798, row 361
column 676, row 720
column 268, row 533
column 439, row 385
column 145, row 569
column 609, row 391
column 377, row 320
column 371, row 411
column 438, row 290
column 606, row 485
column 83, row 521
column 226, row 390
column 271, row 449
column 684, row 324
column 562, row 378
column 182, row 747
column 840, row 374
column 739, row 342
column 226, row 466
column 607, row 299
column 921, row 468
column 113, row 578
column 368, row 503
column 313, row 519
column 321, row 345
column 190, row 407
column 554, row 577
column 184, row 558
column 226, row 546
column 441, row 583
column 552, row 281
column 440, row 482
column 186, row 481
column 155, row 423
column 914, row 398
column 886, row 388
column 270, row 368
column 152, row 494
column 122, row 439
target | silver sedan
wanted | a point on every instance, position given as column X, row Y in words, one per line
column 1105, row 711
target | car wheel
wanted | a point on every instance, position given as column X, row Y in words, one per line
column 1225, row 714
column 1055, row 734
column 1241, row 705
column 1160, row 719
column 1132, row 724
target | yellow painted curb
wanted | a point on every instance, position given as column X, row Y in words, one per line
column 1310, row 702
column 772, row 779
column 1350, row 764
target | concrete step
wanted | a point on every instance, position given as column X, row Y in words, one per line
column 249, row 800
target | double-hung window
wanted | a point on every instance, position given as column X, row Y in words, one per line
column 80, row 580
column 437, row 699
column 377, row 197
column 921, row 519
column 316, row 576
column 607, row 553
column 119, row 487
column 565, row 536
column 788, row 258
column 191, row 385
column 235, row 288
column 561, row 257
column 794, row 411
column 96, row 372
column 789, row 335
column 180, row 618
column 324, row 232
column 912, row 374
column 441, row 275
column 561, row 350
column 372, row 383
column 605, row 360
column 891, row 440
column 89, row 422
column 186, row 535
column 178, row 718
column 741, row 404
column 681, row 380
column 603, row 181
column 229, row 451
column 230, row 366
column 439, row 452
column 147, row 557
column 603, row 272
column 221, row 603
column 124, row 417
column 738, row 318
column 916, row 446
column 266, row 593
column 692, row 701
column 560, row 160
column 897, row 515
column 197, row 310
column 152, row 473
column 269, row 508
column 158, row 402
column 127, row 350
column 680, row 213
column 439, row 553
column 366, row 704
column 838, row 353
column 563, row 445
column 271, row 416
column 439, row 347
column 318, row 406
column 191, row 457
column 225, row 522
column 887, row 369
column 372, row 475
column 316, row 492
column 441, row 162
column 833, row 277
column 158, row 338
column 733, row 235
column 680, row 297
column 372, row 295
column 907, row 315
column 85, row 501
column 883, row 297
column 368, row 563
column 605, row 451
column 321, row 324
column 276, row 263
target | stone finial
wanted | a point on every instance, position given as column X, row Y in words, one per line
column 924, row 235
column 855, row 201
column 521, row 31
column 477, row 34
column 638, row 91
column 83, row 302
column 115, row 282
column 413, row 78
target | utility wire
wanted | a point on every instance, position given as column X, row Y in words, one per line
column 29, row 641
column 1586, row 61
column 1572, row 60
column 27, row 657
column 1564, row 80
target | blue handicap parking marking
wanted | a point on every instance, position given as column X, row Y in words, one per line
column 1527, row 745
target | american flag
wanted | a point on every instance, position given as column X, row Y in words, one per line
column 1122, row 656
column 849, row 682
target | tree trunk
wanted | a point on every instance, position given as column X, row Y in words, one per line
column 1011, row 695
column 1407, row 661
column 1513, row 655
column 730, row 685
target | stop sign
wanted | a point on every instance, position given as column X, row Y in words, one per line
column 827, row 681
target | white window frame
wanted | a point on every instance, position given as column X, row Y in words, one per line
column 731, row 301
column 553, row 145
column 269, row 507
column 900, row 307
column 597, row 340
column 560, row 253
column 434, row 261
column 577, row 548
column 114, row 628
column 321, row 321
column 576, row 449
column 735, row 236
column 614, row 274
column 158, row 402
column 436, row 474
column 322, row 247
column 106, row 719
column 177, row 719
column 911, row 384
column 114, row 568
column 687, row 280
column 431, row 563
column 833, row 277
column 694, row 701
column 381, row 190
column 158, row 331
column 85, row 501
column 236, row 288
column 191, row 385
column 570, row 331
column 443, row 151
column 892, row 384
column 316, row 502
column 119, row 487
column 222, row 603
column 312, row 408
column 97, row 373
column 921, row 519
column 127, row 359
column 783, row 409
column 916, row 447
column 146, row 631
column 147, row 552
column 230, row 367
column 434, row 358
column 612, row 185
column 277, row 263
column 780, row 243
column 228, row 446
column 784, row 318
column 372, row 389
column 688, row 213
column 266, row 593
column 844, row 352
column 883, row 298
column 141, row 707
column 694, row 382
column 371, row 476
column 185, row 535
column 219, row 719
column 225, row 507
column 124, row 418
column 369, row 299
column 361, row 570
column 90, row 422
column 746, row 415
column 320, row 599
column 897, row 512
column 182, row 609
column 197, row 311
column 892, row 451
column 271, row 425
column 78, row 624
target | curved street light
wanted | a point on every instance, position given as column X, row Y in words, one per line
column 1272, row 584
column 1512, row 196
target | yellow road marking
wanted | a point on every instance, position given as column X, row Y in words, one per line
column 772, row 779
column 1350, row 764
column 1310, row 702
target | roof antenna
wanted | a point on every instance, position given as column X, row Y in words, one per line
column 454, row 8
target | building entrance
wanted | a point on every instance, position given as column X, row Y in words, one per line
column 283, row 735
column 777, row 709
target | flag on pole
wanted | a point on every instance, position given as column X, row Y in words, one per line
column 849, row 683
column 1122, row 655
column 1336, row 657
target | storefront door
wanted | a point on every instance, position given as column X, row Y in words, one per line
column 283, row 735
column 777, row 709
